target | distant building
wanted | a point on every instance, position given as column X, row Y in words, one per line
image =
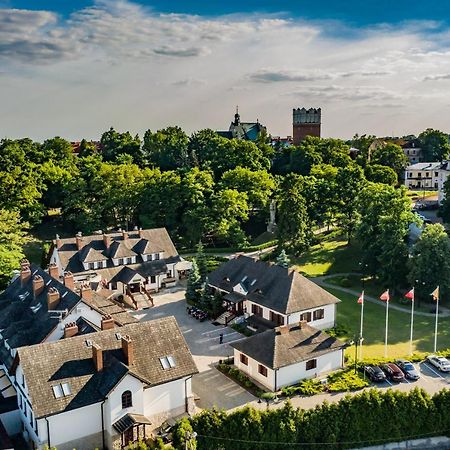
column 444, row 172
column 423, row 176
column 306, row 122
column 247, row 131
column 412, row 151
column 281, row 142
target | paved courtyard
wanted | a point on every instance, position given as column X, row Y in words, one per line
column 212, row 388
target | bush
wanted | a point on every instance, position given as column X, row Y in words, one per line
column 240, row 378
column 346, row 380
column 305, row 387
column 338, row 331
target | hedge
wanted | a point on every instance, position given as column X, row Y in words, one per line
column 372, row 417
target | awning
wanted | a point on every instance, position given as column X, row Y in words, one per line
column 183, row 265
column 234, row 297
column 129, row 420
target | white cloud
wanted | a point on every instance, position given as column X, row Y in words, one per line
column 121, row 64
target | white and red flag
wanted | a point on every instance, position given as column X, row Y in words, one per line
column 385, row 296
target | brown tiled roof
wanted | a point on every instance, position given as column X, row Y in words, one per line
column 274, row 349
column 106, row 307
column 155, row 239
column 89, row 255
column 70, row 360
column 280, row 289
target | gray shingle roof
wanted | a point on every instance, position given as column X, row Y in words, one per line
column 274, row 349
column 280, row 289
column 70, row 360
column 151, row 240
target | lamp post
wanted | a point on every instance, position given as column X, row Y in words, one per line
column 363, row 271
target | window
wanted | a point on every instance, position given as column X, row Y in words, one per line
column 311, row 364
column 61, row 390
column 91, row 266
column 257, row 310
column 244, row 359
column 156, row 256
column 262, row 370
column 427, row 174
column 167, row 362
column 306, row 316
column 277, row 318
column 169, row 274
column 57, row 391
column 153, row 279
column 120, row 261
column 436, row 174
column 318, row 314
column 127, row 400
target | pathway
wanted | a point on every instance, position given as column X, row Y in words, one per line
column 321, row 281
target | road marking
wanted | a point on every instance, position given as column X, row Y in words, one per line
column 239, row 339
column 406, row 379
column 436, row 373
column 214, row 331
column 215, row 338
column 388, row 382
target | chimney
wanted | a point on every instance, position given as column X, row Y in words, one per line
column 86, row 291
column 70, row 330
column 107, row 323
column 141, row 234
column 302, row 324
column 38, row 285
column 25, row 273
column 58, row 242
column 97, row 357
column 79, row 240
column 124, row 235
column 53, row 271
column 52, row 298
column 127, row 348
column 68, row 281
column 106, row 240
column 283, row 329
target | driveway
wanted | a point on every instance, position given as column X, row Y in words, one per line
column 201, row 337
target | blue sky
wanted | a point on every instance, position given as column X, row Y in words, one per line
column 353, row 12
column 374, row 67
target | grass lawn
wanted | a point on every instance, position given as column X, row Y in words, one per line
column 333, row 254
column 348, row 315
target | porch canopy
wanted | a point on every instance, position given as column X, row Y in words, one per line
column 130, row 420
column 233, row 297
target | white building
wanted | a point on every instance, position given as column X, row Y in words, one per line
column 423, row 176
column 275, row 294
column 104, row 390
column 412, row 151
column 128, row 262
column 287, row 354
column 444, row 172
column 36, row 308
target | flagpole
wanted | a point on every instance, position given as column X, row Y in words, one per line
column 412, row 324
column 436, row 322
column 361, row 328
column 386, row 331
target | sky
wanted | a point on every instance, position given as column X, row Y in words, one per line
column 76, row 68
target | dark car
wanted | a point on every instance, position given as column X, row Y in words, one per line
column 374, row 373
column 408, row 369
column 393, row 372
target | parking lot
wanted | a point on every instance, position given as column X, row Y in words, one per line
column 212, row 388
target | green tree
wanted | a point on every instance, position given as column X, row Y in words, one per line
column 435, row 145
column 202, row 262
column 381, row 174
column 87, row 148
column 194, row 283
column 390, row 155
column 258, row 185
column 167, row 149
column 385, row 216
column 430, row 264
column 114, row 144
column 283, row 260
column 294, row 227
column 12, row 239
column 445, row 206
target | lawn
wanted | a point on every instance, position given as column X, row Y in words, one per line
column 333, row 254
column 348, row 315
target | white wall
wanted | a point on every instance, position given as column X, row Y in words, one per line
column 328, row 321
column 289, row 375
column 292, row 374
column 55, row 259
column 252, row 370
column 166, row 397
column 71, row 425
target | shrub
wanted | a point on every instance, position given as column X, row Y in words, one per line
column 310, row 387
column 345, row 282
column 338, row 331
column 346, row 380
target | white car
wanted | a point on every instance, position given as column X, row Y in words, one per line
column 443, row 364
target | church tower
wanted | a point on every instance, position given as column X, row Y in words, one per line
column 305, row 122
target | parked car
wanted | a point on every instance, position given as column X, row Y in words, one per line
column 408, row 369
column 375, row 373
column 439, row 362
column 393, row 372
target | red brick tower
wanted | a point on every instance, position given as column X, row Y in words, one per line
column 305, row 122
